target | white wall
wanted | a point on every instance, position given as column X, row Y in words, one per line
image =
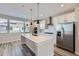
column 77, row 30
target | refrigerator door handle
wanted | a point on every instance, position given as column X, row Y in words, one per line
column 62, row 34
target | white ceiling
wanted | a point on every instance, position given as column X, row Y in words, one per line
column 45, row 9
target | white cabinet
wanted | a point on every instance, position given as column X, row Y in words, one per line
column 61, row 19
column 68, row 17
column 55, row 20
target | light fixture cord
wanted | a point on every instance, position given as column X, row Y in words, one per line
column 31, row 21
column 31, row 14
column 37, row 11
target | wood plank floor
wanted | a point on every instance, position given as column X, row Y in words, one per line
column 14, row 49
column 61, row 52
column 17, row 49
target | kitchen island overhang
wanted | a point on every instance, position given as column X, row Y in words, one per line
column 40, row 45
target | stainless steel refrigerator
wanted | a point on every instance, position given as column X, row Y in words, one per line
column 66, row 36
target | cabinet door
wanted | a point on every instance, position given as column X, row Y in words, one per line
column 69, row 17
column 61, row 19
column 55, row 20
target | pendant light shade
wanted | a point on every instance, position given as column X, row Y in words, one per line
column 31, row 23
column 31, row 16
column 37, row 13
column 37, row 21
column 26, row 24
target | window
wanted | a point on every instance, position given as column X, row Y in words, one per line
column 16, row 26
column 3, row 25
column 42, row 24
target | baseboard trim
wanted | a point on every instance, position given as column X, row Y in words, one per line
column 77, row 53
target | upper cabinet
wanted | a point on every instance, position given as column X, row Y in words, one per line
column 68, row 17
column 61, row 19
column 55, row 20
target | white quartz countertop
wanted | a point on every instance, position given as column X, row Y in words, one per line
column 37, row 39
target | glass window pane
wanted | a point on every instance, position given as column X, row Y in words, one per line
column 3, row 25
column 16, row 26
column 42, row 24
column 27, row 27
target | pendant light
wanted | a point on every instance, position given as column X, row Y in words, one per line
column 31, row 21
column 31, row 16
column 37, row 13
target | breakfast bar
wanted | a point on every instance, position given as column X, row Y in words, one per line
column 40, row 45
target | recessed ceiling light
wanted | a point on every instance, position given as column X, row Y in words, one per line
column 62, row 5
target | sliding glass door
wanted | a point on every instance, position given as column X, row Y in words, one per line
column 16, row 26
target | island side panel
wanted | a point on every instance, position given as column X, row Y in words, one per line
column 23, row 40
column 45, row 48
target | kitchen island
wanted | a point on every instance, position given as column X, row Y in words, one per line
column 40, row 45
